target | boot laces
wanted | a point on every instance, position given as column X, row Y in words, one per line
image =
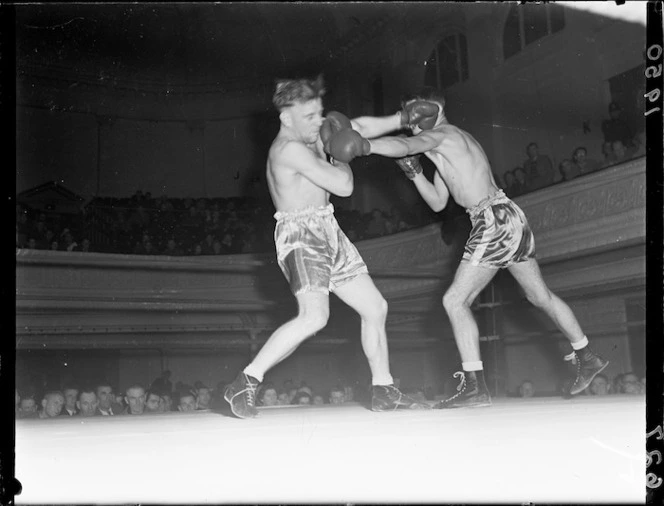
column 460, row 387
column 250, row 391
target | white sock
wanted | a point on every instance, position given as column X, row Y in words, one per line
column 472, row 366
column 250, row 371
column 382, row 380
column 580, row 344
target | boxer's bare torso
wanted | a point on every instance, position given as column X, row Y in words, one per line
column 462, row 165
column 289, row 189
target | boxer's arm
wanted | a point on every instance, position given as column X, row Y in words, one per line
column 398, row 147
column 336, row 179
column 435, row 194
column 375, row 126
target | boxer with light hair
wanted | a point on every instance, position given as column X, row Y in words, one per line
column 313, row 253
column 500, row 238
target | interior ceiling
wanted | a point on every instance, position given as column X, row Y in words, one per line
column 188, row 43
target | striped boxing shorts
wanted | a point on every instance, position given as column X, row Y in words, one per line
column 313, row 252
column 500, row 235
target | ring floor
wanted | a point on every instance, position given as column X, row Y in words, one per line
column 582, row 450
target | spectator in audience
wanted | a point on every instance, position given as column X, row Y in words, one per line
column 377, row 224
column 166, row 402
column 520, row 185
column 52, row 404
column 268, row 395
column 27, row 408
column 599, row 385
column 172, row 248
column 71, row 396
column 85, row 245
column 217, row 248
column 55, row 246
column 107, row 406
column 187, row 402
column 616, row 128
column 607, row 153
column 538, row 168
column 135, row 399
column 621, row 153
column 283, row 399
column 639, row 143
column 87, row 403
column 508, row 187
column 203, row 397
column 227, row 243
column 318, row 400
column 302, row 398
column 397, row 220
column 617, row 384
column 567, row 170
column 163, row 383
column 526, row 389
column 153, row 402
column 207, row 245
column 630, row 384
column 583, row 164
column 337, row 395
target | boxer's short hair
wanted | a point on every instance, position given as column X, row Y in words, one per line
column 289, row 91
column 427, row 93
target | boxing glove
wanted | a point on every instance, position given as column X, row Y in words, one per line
column 348, row 144
column 410, row 165
column 421, row 113
column 334, row 122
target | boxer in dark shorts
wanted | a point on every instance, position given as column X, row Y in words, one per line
column 500, row 237
column 313, row 252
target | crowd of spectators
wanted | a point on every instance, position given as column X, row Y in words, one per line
column 161, row 396
column 627, row 383
column 537, row 171
column 142, row 225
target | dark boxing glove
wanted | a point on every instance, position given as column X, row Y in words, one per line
column 348, row 144
column 410, row 165
column 334, row 122
column 421, row 113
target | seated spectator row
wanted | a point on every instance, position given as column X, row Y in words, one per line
column 206, row 227
column 627, row 383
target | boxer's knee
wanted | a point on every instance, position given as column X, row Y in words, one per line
column 314, row 319
column 454, row 301
column 540, row 298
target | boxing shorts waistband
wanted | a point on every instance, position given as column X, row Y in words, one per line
column 497, row 198
column 305, row 212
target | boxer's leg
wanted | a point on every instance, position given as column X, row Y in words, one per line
column 469, row 281
column 529, row 276
column 313, row 313
column 362, row 295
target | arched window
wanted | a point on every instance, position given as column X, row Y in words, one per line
column 448, row 62
column 528, row 23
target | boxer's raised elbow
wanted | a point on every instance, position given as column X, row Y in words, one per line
column 346, row 189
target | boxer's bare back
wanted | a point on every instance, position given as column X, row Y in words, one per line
column 461, row 163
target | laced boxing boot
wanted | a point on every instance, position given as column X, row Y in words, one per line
column 588, row 365
column 472, row 392
column 241, row 395
column 389, row 398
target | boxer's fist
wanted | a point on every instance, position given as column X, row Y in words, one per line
column 421, row 113
column 410, row 165
column 348, row 144
column 334, row 122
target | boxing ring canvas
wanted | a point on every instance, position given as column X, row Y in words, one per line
column 582, row 450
